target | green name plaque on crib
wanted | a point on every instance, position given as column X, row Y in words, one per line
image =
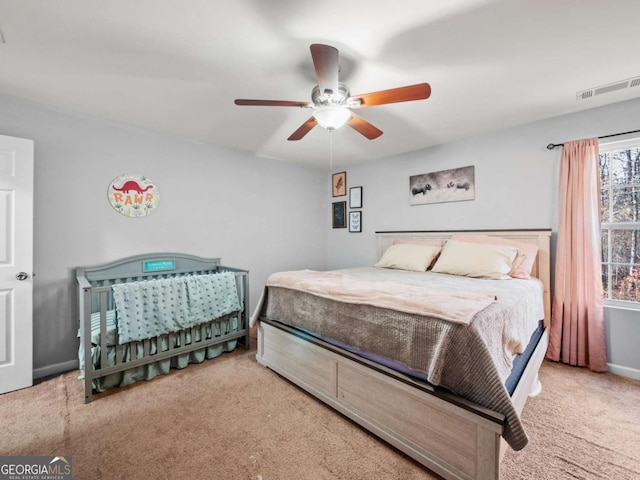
column 158, row 265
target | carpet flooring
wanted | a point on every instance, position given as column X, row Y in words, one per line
column 230, row 418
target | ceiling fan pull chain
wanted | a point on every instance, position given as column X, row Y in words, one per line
column 330, row 149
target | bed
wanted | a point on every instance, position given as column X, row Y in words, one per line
column 143, row 315
column 461, row 435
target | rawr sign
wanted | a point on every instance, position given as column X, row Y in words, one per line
column 133, row 195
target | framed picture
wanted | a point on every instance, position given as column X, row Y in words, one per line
column 355, row 197
column 355, row 221
column 339, row 184
column 445, row 186
column 339, row 214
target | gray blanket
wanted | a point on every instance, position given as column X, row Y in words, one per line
column 471, row 360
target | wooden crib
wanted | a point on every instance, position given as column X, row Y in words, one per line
column 104, row 357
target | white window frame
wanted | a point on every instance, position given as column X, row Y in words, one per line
column 621, row 143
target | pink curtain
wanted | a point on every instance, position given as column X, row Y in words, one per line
column 577, row 321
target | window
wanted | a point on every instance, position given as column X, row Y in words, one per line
column 620, row 217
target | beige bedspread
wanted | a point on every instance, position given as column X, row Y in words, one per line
column 471, row 358
column 451, row 305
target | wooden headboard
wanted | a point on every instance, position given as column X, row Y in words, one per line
column 541, row 238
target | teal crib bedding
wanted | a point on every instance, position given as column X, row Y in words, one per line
column 223, row 326
column 149, row 308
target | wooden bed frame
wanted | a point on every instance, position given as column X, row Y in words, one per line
column 451, row 436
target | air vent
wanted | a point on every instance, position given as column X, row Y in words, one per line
column 584, row 95
column 611, row 87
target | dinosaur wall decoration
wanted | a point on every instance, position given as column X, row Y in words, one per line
column 133, row 195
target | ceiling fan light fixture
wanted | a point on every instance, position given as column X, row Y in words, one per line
column 331, row 99
column 331, row 118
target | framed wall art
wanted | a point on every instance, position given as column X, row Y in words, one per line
column 355, row 222
column 339, row 214
column 452, row 185
column 339, row 184
column 355, row 197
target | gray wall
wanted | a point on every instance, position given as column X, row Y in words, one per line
column 214, row 202
column 516, row 187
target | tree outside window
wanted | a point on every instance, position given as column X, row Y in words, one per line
column 620, row 217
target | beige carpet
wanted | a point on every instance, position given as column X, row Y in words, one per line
column 230, row 418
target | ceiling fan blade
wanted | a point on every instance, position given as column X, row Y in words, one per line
column 325, row 61
column 304, row 129
column 360, row 125
column 271, row 103
column 420, row 91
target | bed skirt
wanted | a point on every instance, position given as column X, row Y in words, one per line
column 160, row 367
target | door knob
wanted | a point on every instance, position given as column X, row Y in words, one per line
column 22, row 276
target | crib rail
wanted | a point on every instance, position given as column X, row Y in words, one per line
column 153, row 350
column 95, row 297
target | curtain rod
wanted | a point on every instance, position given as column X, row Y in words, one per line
column 551, row 146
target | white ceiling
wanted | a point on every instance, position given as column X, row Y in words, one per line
column 176, row 66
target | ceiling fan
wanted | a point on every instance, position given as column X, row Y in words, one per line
column 332, row 102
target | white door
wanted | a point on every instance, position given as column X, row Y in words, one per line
column 16, row 263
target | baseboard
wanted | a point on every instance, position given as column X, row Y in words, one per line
column 624, row 371
column 56, row 369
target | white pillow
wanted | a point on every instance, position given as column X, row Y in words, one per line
column 476, row 260
column 409, row 256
